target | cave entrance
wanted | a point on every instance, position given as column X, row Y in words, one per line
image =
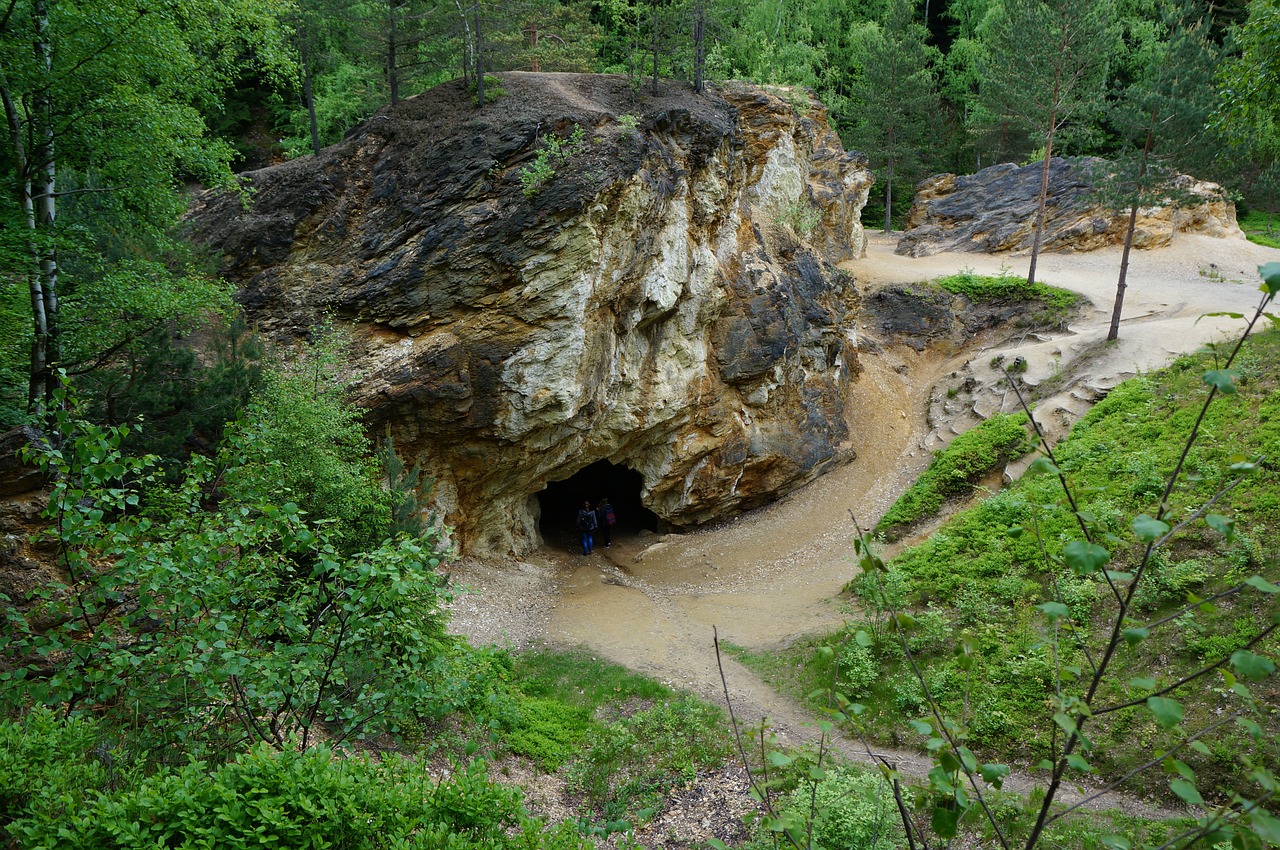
column 560, row 500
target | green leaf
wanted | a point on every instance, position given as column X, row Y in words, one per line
column 1079, row 763
column 1186, row 792
column 1224, row 380
column 945, row 822
column 778, row 759
column 1260, row 583
column 1054, row 610
column 1266, row 826
column 1136, row 636
column 1251, row 665
column 1117, row 842
column 1145, row 683
column 920, row 726
column 940, row 779
column 1224, row 526
column 1085, row 558
column 1148, row 530
column 1042, row 466
column 994, row 774
column 1065, row 722
column 1168, row 712
column 1270, row 273
column 863, row 639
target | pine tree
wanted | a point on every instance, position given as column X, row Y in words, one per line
column 1045, row 69
column 1161, row 117
column 899, row 92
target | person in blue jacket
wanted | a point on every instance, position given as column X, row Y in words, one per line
column 586, row 525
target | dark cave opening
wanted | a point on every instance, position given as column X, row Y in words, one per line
column 560, row 500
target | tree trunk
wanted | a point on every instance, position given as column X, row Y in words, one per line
column 699, row 46
column 535, row 64
column 888, row 200
column 479, row 58
column 309, row 96
column 1114, row 331
column 40, row 182
column 1041, row 202
column 393, row 83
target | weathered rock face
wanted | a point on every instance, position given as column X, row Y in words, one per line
column 667, row 301
column 994, row 210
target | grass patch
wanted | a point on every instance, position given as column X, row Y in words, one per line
column 623, row 740
column 957, row 467
column 977, row 580
column 978, row 287
column 1261, row 228
column 576, row 677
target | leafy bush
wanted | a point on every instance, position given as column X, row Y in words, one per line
column 856, row 808
column 200, row 629
column 300, row 441
column 954, row 469
column 263, row 798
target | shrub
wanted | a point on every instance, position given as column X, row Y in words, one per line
column 552, row 152
column 265, row 798
column 201, row 629
column 856, row 809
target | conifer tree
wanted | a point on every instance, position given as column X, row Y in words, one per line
column 1161, row 117
column 899, row 93
column 1045, row 70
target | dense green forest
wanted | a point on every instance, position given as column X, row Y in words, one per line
column 249, row 613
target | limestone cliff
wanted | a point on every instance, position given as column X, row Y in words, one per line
column 994, row 210
column 665, row 300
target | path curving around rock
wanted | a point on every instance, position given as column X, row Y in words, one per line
column 768, row 577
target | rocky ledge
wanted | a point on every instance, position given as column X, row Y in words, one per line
column 994, row 211
column 574, row 276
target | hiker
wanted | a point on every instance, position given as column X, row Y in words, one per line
column 586, row 525
column 605, row 520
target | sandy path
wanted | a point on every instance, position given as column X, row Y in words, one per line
column 767, row 577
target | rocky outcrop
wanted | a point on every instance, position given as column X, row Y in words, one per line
column 665, row 300
column 994, row 211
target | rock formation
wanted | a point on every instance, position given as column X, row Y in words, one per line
column 994, row 210
column 666, row 299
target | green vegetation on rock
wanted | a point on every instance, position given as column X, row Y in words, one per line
column 957, row 467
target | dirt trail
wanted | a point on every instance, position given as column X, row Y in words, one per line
column 770, row 576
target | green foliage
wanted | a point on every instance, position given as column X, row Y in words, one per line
column 801, row 216
column 552, row 152
column 199, row 629
column 547, row 731
column 856, row 809
column 305, row 799
column 578, row 678
column 634, row 761
column 955, row 468
column 299, row 439
column 1008, row 287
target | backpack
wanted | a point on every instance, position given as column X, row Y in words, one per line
column 586, row 520
column 609, row 518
